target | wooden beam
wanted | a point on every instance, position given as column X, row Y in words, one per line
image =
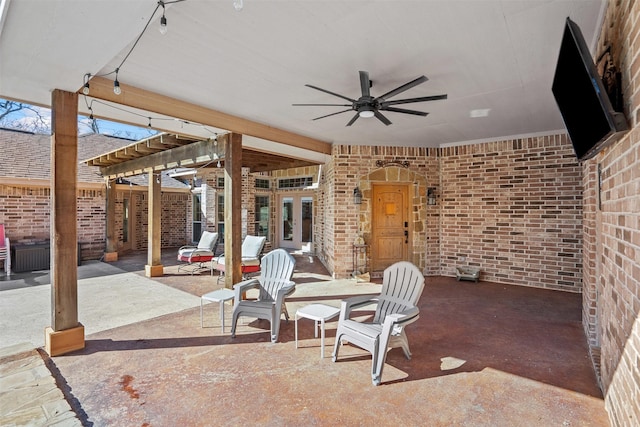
column 64, row 168
column 156, row 161
column 102, row 88
column 232, row 209
column 154, row 266
column 111, row 250
column 65, row 333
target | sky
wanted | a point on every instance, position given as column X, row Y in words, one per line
column 27, row 119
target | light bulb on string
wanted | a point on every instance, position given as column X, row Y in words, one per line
column 85, row 88
column 163, row 24
column 238, row 5
column 163, row 20
column 116, row 84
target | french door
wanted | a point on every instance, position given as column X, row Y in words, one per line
column 295, row 227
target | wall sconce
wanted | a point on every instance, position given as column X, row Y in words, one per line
column 357, row 196
column 431, row 196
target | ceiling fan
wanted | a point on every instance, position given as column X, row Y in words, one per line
column 367, row 106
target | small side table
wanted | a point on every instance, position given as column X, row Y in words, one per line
column 220, row 295
column 318, row 313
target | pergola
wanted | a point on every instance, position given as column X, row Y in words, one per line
column 149, row 156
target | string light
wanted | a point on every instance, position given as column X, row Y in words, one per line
column 163, row 20
column 238, row 5
column 163, row 29
column 85, row 88
column 90, row 103
column 116, row 84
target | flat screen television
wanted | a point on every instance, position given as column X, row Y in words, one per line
column 585, row 107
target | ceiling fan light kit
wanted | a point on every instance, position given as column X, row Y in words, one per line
column 368, row 106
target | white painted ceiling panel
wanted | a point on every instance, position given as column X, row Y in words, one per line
column 497, row 55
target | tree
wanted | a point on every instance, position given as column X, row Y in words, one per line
column 18, row 115
column 26, row 117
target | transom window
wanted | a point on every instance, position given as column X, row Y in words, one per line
column 299, row 182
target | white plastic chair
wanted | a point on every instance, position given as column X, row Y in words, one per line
column 396, row 307
column 274, row 284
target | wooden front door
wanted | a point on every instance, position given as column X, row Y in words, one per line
column 390, row 225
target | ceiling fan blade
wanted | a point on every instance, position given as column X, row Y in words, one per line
column 402, row 88
column 382, row 118
column 402, row 110
column 352, row 121
column 333, row 114
column 365, row 83
column 410, row 100
column 331, row 93
column 321, row 105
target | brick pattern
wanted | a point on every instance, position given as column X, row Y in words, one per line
column 25, row 211
column 612, row 233
column 355, row 166
column 513, row 208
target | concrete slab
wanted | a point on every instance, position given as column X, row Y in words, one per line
column 108, row 297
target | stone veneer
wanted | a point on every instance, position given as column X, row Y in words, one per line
column 343, row 221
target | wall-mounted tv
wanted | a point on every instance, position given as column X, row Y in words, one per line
column 585, row 107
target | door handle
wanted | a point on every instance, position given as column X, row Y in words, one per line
column 406, row 236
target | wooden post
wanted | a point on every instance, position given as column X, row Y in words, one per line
column 65, row 333
column 154, row 266
column 111, row 250
column 232, row 209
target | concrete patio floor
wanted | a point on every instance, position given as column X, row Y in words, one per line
column 484, row 354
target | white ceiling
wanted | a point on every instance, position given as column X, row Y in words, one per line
column 496, row 55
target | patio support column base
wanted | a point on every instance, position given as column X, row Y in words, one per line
column 57, row 343
column 153, row 270
column 110, row 256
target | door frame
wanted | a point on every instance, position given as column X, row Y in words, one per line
column 130, row 243
column 296, row 242
column 407, row 187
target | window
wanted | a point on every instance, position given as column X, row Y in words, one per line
column 262, row 183
column 220, row 217
column 125, row 220
column 262, row 216
column 300, row 182
column 220, row 182
column 197, row 217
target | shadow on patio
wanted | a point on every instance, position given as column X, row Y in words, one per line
column 483, row 354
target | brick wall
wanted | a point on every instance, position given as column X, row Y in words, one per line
column 513, row 208
column 25, row 211
column 355, row 166
column 611, row 316
column 173, row 221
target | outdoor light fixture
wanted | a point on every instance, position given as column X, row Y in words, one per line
column 116, row 84
column 366, row 112
column 163, row 24
column 357, row 196
column 431, row 196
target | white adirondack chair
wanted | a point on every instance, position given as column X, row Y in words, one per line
column 274, row 285
column 396, row 307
